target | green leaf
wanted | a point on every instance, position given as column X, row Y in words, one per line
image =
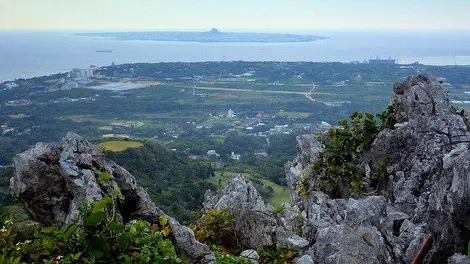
column 166, row 231
column 95, row 219
column 116, row 227
column 132, row 230
column 16, row 260
column 163, row 221
column 98, row 247
column 71, row 230
column 118, row 193
column 101, row 204
column 105, row 176
column 77, row 256
column 124, row 241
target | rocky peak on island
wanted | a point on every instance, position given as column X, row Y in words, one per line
column 214, row 31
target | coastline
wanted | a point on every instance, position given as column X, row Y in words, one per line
column 32, row 54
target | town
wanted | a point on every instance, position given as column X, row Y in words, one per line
column 194, row 107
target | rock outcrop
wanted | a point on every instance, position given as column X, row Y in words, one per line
column 427, row 197
column 255, row 225
column 308, row 148
column 429, row 161
column 52, row 180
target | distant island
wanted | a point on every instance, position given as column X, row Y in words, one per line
column 213, row 35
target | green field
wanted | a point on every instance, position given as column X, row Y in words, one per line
column 119, row 145
column 293, row 114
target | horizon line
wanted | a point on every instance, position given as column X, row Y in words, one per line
column 251, row 30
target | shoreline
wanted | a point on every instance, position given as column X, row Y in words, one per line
column 2, row 81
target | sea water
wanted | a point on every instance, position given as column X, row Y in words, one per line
column 29, row 54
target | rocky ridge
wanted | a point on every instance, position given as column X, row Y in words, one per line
column 425, row 201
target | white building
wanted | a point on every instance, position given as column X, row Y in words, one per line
column 231, row 113
column 235, row 156
column 212, row 153
column 80, row 73
column 11, row 85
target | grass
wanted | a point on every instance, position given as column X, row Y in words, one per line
column 280, row 195
column 119, row 145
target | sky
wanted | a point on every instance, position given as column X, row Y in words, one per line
column 226, row 15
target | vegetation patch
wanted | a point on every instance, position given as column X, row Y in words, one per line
column 119, row 145
column 338, row 174
column 98, row 235
column 293, row 114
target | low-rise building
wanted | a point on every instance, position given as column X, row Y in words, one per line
column 235, row 156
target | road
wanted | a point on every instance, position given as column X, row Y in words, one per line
column 308, row 94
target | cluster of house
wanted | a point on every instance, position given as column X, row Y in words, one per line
column 213, row 153
column 20, row 102
column 10, row 85
column 5, row 129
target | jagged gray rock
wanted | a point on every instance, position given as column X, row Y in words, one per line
column 251, row 254
column 308, row 148
column 255, row 225
column 305, row 259
column 254, row 222
column 458, row 259
column 427, row 194
column 353, row 230
column 429, row 164
column 420, row 95
column 52, row 180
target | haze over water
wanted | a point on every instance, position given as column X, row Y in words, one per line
column 28, row 54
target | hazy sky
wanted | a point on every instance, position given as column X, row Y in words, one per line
column 234, row 14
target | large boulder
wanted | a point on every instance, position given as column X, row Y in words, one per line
column 52, row 180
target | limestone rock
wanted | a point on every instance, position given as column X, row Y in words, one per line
column 308, row 148
column 250, row 254
column 429, row 164
column 419, row 95
column 458, row 259
column 427, row 193
column 52, row 180
column 305, row 259
column 354, row 230
column 254, row 222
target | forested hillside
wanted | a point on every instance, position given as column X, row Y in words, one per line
column 174, row 181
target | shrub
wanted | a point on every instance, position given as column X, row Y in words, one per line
column 387, row 118
column 98, row 235
column 224, row 258
column 336, row 167
column 215, row 228
column 277, row 256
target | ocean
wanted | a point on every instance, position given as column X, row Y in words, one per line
column 29, row 54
